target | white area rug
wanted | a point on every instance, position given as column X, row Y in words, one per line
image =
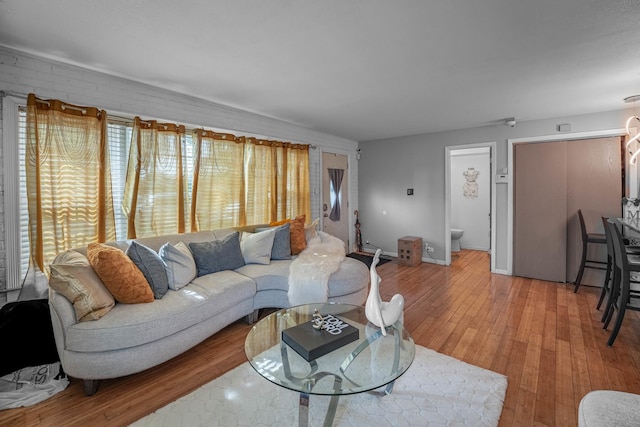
column 437, row 390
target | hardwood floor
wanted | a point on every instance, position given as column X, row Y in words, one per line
column 546, row 339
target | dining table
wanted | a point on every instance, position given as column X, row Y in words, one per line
column 631, row 224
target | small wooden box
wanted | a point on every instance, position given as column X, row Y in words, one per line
column 410, row 250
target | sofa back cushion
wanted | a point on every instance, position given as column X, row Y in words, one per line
column 217, row 255
column 156, row 242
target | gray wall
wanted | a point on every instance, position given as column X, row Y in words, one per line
column 388, row 167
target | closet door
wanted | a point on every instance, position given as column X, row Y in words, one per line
column 552, row 180
column 540, row 211
column 594, row 181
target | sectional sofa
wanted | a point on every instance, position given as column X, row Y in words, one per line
column 106, row 325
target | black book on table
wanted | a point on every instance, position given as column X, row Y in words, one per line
column 311, row 343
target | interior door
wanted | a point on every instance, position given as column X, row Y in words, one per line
column 335, row 196
column 540, row 211
column 594, row 177
column 552, row 181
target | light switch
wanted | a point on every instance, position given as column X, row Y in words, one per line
column 409, row 191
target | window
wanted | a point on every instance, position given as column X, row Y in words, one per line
column 119, row 136
column 24, row 210
column 119, row 132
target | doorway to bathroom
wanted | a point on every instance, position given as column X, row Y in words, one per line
column 470, row 199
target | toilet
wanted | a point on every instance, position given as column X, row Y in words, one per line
column 456, row 234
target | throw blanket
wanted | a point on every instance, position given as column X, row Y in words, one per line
column 309, row 273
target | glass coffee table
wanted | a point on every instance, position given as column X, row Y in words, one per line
column 369, row 363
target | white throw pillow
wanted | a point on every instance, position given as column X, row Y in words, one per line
column 179, row 263
column 256, row 247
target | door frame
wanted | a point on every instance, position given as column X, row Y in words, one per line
column 447, row 204
column 347, row 154
column 632, row 170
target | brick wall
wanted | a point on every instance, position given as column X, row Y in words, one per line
column 22, row 73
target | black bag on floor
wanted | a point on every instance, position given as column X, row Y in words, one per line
column 26, row 335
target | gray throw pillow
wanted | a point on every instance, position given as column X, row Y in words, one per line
column 281, row 248
column 152, row 267
column 217, row 255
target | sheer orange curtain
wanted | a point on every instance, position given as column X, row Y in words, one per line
column 239, row 181
column 261, row 173
column 277, row 175
column 295, row 193
column 68, row 178
column 155, row 195
column 218, row 194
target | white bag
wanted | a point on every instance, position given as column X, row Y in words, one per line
column 31, row 385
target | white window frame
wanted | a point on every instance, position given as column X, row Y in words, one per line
column 11, row 165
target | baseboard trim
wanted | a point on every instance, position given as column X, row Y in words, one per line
column 433, row 261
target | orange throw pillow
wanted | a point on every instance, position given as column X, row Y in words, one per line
column 119, row 274
column 298, row 238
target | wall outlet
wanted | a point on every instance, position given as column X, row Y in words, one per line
column 426, row 246
column 367, row 242
column 430, row 249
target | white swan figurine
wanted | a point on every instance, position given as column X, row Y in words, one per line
column 382, row 313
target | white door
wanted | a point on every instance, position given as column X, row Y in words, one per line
column 335, row 205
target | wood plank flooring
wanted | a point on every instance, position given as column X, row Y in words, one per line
column 546, row 339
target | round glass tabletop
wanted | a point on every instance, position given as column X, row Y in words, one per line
column 370, row 361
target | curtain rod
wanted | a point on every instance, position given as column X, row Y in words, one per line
column 42, row 101
column 24, row 96
column 4, row 93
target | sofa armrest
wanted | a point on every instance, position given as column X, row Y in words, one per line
column 63, row 316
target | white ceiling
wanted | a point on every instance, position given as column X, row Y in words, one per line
column 361, row 69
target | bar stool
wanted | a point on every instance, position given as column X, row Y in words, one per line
column 596, row 238
column 607, row 277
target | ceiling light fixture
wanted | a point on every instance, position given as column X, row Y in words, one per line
column 631, row 119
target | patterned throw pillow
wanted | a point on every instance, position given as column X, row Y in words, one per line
column 151, row 265
column 119, row 274
column 73, row 277
column 217, row 255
